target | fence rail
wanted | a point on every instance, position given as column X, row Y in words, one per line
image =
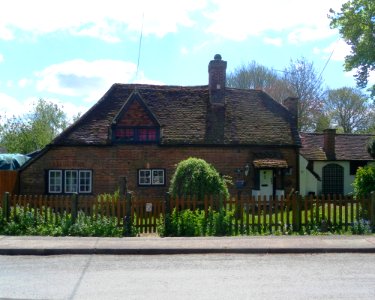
column 251, row 214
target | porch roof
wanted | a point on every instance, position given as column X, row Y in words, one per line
column 270, row 163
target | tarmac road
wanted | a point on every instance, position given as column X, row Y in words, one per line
column 194, row 276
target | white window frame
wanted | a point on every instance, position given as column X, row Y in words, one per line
column 142, row 177
column 58, row 184
column 70, row 184
column 63, row 183
column 154, row 179
column 161, row 178
column 89, row 184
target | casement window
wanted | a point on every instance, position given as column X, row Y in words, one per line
column 136, row 134
column 54, row 181
column 69, row 181
column 151, row 177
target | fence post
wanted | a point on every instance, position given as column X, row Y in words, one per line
column 6, row 207
column 372, row 208
column 74, row 207
column 297, row 212
column 167, row 214
column 221, row 202
column 128, row 217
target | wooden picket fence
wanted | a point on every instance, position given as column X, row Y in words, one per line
column 251, row 214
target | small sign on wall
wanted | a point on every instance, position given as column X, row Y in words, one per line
column 148, row 207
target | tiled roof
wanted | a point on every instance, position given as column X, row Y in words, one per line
column 347, row 146
column 270, row 163
column 251, row 117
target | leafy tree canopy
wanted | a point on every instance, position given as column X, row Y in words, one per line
column 256, row 76
column 349, row 109
column 356, row 24
column 195, row 177
column 33, row 130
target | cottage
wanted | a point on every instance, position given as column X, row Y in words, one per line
column 329, row 161
column 139, row 132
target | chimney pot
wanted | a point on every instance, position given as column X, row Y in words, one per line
column 216, row 80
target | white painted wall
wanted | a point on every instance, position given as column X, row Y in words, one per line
column 308, row 183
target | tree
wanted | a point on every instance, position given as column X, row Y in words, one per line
column 33, row 130
column 303, row 82
column 356, row 24
column 256, row 76
column 195, row 177
column 349, row 109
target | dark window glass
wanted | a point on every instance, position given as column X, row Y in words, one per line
column 333, row 179
column 354, row 165
column 136, row 134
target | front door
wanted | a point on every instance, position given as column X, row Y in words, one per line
column 266, row 183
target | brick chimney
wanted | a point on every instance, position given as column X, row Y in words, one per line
column 216, row 80
column 291, row 103
column 329, row 143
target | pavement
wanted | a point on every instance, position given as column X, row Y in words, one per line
column 153, row 245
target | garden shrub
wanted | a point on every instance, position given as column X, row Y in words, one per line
column 197, row 223
column 195, row 177
column 25, row 221
column 364, row 182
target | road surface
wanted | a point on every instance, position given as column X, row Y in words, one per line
column 223, row 276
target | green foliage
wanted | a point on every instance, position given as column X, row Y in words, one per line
column 356, row 24
column 364, row 181
column 195, row 177
column 350, row 109
column 107, row 197
column 34, row 130
column 197, row 223
column 25, row 221
column 361, row 227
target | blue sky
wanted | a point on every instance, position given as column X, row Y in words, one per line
column 70, row 52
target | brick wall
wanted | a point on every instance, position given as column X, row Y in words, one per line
column 136, row 115
column 109, row 164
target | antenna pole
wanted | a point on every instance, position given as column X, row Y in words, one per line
column 139, row 47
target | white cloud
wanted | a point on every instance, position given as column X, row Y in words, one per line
column 238, row 20
column 24, row 82
column 338, row 49
column 89, row 80
column 111, row 19
column 10, row 106
column 106, row 20
column 273, row 41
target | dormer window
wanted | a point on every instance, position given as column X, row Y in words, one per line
column 136, row 134
column 135, row 122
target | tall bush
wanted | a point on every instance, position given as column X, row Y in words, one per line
column 195, row 177
column 364, row 182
